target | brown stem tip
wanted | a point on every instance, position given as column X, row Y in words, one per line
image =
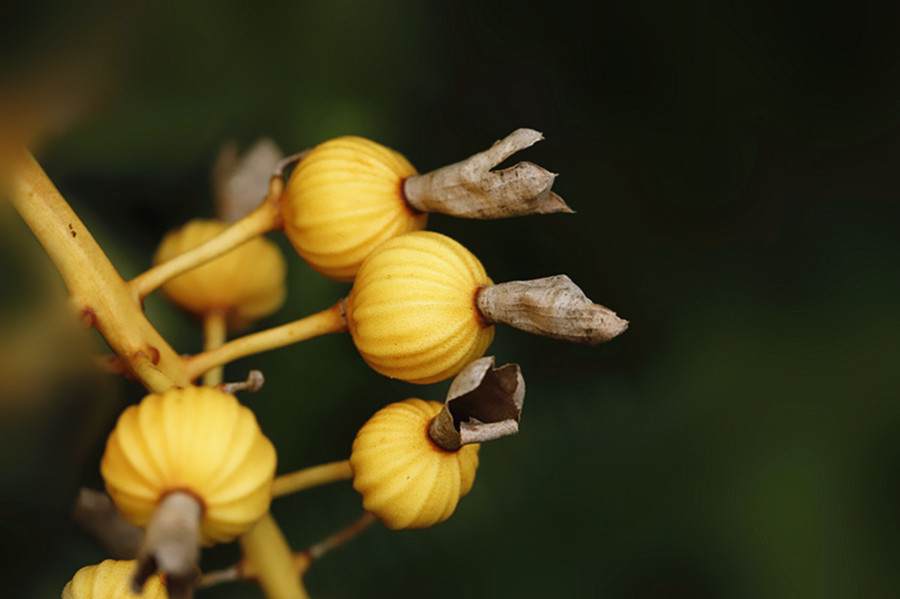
column 470, row 188
column 484, row 403
column 172, row 546
column 254, row 383
column 553, row 306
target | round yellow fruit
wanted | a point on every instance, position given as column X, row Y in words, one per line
column 404, row 478
column 198, row 440
column 412, row 312
column 246, row 283
column 342, row 200
column 111, row 579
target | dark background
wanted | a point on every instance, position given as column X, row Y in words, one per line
column 734, row 172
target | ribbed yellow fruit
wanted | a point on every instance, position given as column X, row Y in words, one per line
column 343, row 199
column 247, row 283
column 404, row 478
column 412, row 312
column 111, row 579
column 198, row 440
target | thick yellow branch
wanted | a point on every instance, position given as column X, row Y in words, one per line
column 311, row 477
column 302, row 560
column 100, row 295
column 270, row 555
column 327, row 321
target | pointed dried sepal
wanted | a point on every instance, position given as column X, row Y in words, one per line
column 553, row 307
column 470, row 188
column 484, row 403
column 172, row 545
column 96, row 515
column 239, row 181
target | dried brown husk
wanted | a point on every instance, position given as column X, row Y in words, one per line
column 171, row 545
column 240, row 182
column 470, row 188
column 95, row 514
column 553, row 307
column 484, row 403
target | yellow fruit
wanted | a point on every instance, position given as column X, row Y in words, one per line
column 345, row 198
column 404, row 478
column 247, row 282
column 198, row 440
column 111, row 579
column 412, row 312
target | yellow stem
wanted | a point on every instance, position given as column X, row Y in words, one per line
column 267, row 550
column 99, row 294
column 335, row 540
column 301, row 560
column 214, row 335
column 330, row 320
column 265, row 218
column 311, row 477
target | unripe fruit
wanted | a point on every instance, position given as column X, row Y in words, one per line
column 247, row 282
column 111, row 579
column 197, row 440
column 404, row 478
column 343, row 199
column 412, row 312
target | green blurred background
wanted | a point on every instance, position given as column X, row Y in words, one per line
column 734, row 172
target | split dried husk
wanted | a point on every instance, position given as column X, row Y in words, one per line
column 470, row 188
column 484, row 403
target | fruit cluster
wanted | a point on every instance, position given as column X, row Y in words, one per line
column 190, row 466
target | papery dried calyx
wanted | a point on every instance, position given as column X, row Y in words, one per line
column 95, row 513
column 472, row 190
column 553, row 306
column 484, row 403
column 171, row 545
column 240, row 181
